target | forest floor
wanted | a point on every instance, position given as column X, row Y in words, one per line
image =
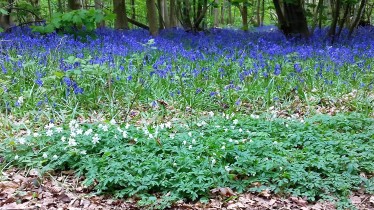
column 23, row 190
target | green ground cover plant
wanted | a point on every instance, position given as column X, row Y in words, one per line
column 322, row 157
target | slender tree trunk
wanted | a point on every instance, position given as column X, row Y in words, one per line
column 336, row 12
column 223, row 13
column 229, row 19
column 262, row 13
column 258, row 10
column 133, row 11
column 172, row 14
column 165, row 14
column 152, row 17
column 201, row 15
column 60, row 8
column 316, row 14
column 244, row 13
column 343, row 20
column 357, row 18
column 215, row 14
column 119, row 8
column 187, row 24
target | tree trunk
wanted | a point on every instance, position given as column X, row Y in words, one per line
column 74, row 4
column 99, row 5
column 244, row 13
column 60, row 8
column 200, row 16
column 258, row 17
column 152, row 17
column 343, row 20
column 229, row 18
column 215, row 14
column 317, row 14
column 172, row 14
column 262, row 13
column 223, row 13
column 292, row 20
column 335, row 18
column 119, row 8
column 133, row 12
column 357, row 18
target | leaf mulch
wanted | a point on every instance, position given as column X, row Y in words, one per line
column 26, row 190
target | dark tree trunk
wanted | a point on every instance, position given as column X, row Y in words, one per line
column 119, row 8
column 244, row 13
column 343, row 20
column 292, row 20
column 152, row 17
column 317, row 14
column 357, row 18
column 336, row 12
column 133, row 12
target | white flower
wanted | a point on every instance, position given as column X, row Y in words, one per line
column 16, row 157
column 127, row 126
column 227, row 168
column 235, row 121
column 73, row 134
column 213, row 161
column 28, row 132
column 150, row 136
column 83, row 152
column 168, row 124
column 45, row 155
column 253, row 116
column 49, row 126
column 124, row 134
column 55, row 157
column 79, row 131
column 211, row 114
column 59, row 129
column 35, row 134
column 49, row 133
column 190, row 134
column 115, row 136
column 112, row 122
column 174, row 164
column 193, row 141
column 162, row 126
column 172, row 135
column 22, row 140
column 190, row 147
column 104, row 127
column 88, row 132
column 236, row 142
column 240, row 130
column 230, row 140
column 135, row 139
column 95, row 139
column 72, row 142
column 275, row 142
column 184, row 142
column 223, row 147
column 72, row 123
column 63, row 138
column 145, row 130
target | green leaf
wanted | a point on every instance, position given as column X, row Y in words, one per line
column 3, row 11
column 59, row 74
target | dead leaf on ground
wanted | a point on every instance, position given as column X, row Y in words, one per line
column 371, row 200
column 64, row 198
column 298, row 201
column 355, row 199
column 223, row 191
column 265, row 193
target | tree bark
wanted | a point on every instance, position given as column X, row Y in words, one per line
column 152, row 17
column 357, row 18
column 343, row 20
column 119, row 8
column 336, row 12
column 215, row 14
column 244, row 13
column 317, row 14
column 172, row 14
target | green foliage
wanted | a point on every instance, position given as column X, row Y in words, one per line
column 76, row 22
column 321, row 158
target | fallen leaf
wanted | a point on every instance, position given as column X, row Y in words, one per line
column 355, row 199
column 371, row 200
column 64, row 198
column 298, row 201
column 265, row 193
column 223, row 191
